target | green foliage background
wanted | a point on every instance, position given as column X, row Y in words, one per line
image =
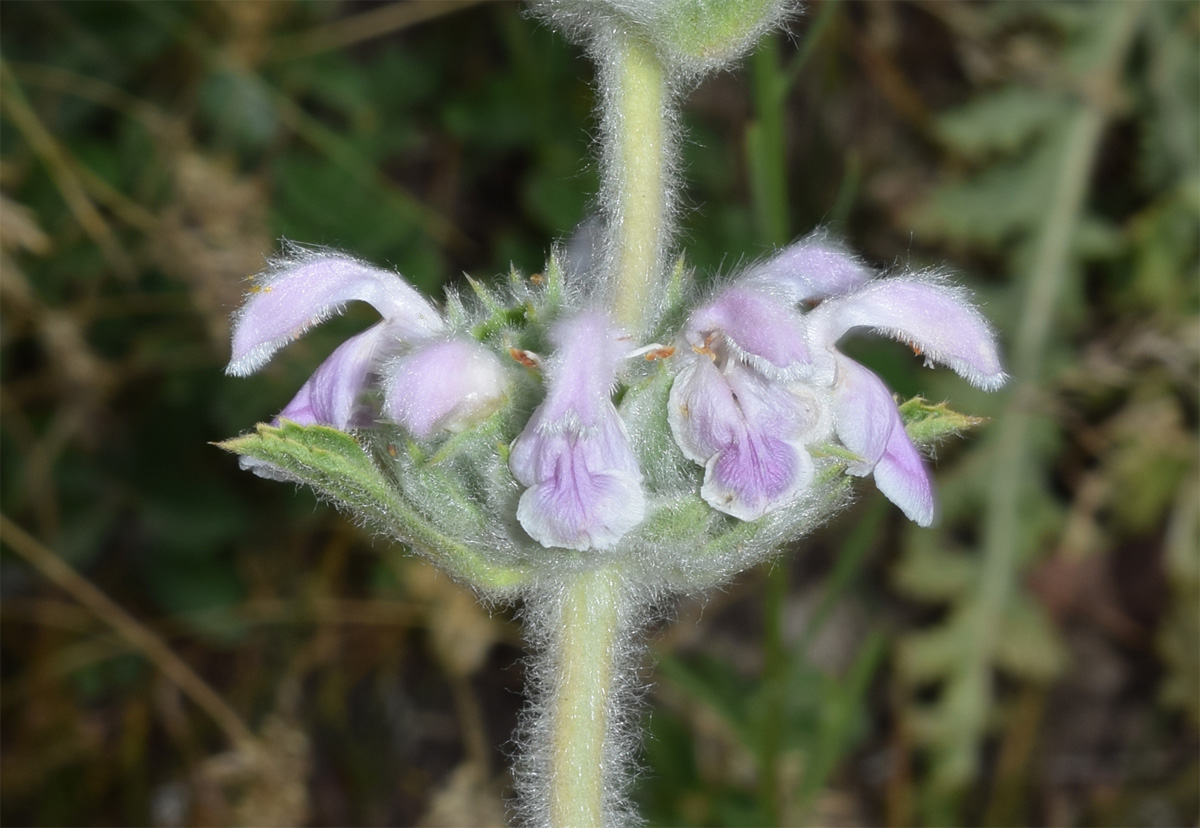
column 1033, row 660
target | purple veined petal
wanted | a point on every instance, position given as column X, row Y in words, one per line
column 443, row 385
column 534, row 455
column 770, row 405
column 864, row 414
column 868, row 423
column 709, row 409
column 701, row 410
column 331, row 396
column 766, row 467
column 299, row 292
column 937, row 320
column 758, row 474
column 813, row 268
column 581, row 499
column 763, row 327
column 584, row 486
column 747, row 431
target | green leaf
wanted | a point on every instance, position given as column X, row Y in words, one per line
column 1004, row 199
column 329, row 460
column 1001, row 122
column 1029, row 646
column 334, row 464
column 717, row 685
column 931, row 573
column 935, row 653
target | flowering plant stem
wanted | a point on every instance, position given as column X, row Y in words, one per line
column 422, row 425
column 637, row 128
column 587, row 621
column 586, row 626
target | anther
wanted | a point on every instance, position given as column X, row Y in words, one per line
column 527, row 358
column 659, row 353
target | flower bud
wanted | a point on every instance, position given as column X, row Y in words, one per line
column 708, row 35
column 691, row 37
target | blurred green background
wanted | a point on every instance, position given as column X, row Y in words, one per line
column 1033, row 660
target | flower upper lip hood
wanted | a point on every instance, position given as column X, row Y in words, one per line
column 925, row 311
column 939, row 322
column 584, row 485
column 758, row 316
column 305, row 287
column 764, row 379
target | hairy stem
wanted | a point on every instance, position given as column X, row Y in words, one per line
column 579, row 736
column 589, row 617
column 637, row 125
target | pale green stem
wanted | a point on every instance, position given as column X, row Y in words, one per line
column 588, row 631
column 636, row 122
column 579, row 781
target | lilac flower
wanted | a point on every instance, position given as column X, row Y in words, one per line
column 442, row 385
column 748, row 431
column 585, row 488
column 764, row 380
column 303, row 290
column 735, row 407
column 939, row 322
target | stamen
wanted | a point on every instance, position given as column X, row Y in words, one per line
column 527, row 358
column 660, row 353
column 653, row 351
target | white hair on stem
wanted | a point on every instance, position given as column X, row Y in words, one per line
column 579, row 736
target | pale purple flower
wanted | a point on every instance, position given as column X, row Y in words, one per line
column 332, row 395
column 442, row 385
column 461, row 378
column 763, row 380
column 940, row 323
column 736, row 407
column 749, row 432
column 584, row 485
